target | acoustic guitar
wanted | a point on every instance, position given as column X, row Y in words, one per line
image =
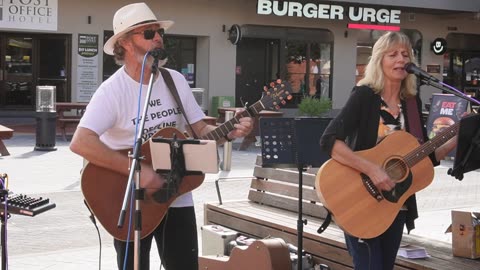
column 104, row 189
column 357, row 206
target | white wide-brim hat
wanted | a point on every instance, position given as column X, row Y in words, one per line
column 130, row 17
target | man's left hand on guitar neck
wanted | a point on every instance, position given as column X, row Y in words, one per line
column 242, row 129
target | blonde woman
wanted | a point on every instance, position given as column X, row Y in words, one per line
column 376, row 108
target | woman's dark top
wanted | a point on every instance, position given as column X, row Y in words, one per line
column 357, row 125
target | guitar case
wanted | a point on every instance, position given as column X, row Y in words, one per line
column 266, row 254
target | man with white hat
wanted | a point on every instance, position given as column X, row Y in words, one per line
column 109, row 125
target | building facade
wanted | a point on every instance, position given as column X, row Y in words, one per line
column 234, row 48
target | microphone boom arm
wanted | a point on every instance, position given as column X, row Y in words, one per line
column 450, row 89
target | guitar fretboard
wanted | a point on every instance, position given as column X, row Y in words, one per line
column 225, row 128
column 271, row 100
column 427, row 148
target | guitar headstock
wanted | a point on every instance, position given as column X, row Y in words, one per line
column 277, row 95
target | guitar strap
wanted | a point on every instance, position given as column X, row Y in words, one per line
column 325, row 223
column 414, row 125
column 171, row 85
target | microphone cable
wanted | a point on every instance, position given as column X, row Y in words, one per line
column 92, row 218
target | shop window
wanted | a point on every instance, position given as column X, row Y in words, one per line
column 301, row 56
column 308, row 77
column 181, row 56
column 462, row 71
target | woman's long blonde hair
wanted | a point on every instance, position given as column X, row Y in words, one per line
column 374, row 72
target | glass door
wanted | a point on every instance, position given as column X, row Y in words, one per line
column 256, row 66
column 53, row 65
column 462, row 70
column 16, row 75
column 28, row 60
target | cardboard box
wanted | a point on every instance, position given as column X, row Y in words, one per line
column 215, row 239
column 466, row 234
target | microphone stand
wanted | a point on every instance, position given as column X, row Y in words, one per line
column 135, row 169
column 450, row 89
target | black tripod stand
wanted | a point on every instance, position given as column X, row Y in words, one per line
column 293, row 143
column 4, row 215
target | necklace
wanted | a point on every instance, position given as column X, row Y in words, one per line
column 390, row 110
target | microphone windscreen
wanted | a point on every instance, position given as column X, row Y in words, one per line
column 409, row 67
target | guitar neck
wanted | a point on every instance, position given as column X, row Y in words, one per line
column 427, row 148
column 222, row 130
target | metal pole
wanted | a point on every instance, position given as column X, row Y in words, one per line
column 227, row 147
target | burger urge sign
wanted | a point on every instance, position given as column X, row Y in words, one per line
column 445, row 111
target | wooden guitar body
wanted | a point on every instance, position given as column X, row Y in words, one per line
column 343, row 191
column 267, row 254
column 104, row 190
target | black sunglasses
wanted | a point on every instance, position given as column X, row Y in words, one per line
column 150, row 34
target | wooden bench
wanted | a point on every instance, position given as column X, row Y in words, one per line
column 271, row 211
column 5, row 134
column 69, row 114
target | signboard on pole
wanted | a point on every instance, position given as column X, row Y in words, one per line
column 87, row 66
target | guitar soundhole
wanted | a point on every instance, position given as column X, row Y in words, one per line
column 396, row 169
column 398, row 172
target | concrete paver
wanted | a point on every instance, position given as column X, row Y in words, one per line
column 65, row 238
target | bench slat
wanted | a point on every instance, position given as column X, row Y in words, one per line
column 316, row 210
column 5, row 132
column 284, row 175
column 272, row 186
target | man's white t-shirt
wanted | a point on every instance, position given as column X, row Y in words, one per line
column 112, row 112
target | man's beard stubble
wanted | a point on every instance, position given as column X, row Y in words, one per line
column 140, row 54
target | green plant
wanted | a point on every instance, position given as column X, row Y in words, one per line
column 310, row 106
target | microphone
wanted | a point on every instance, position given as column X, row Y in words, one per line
column 158, row 53
column 413, row 69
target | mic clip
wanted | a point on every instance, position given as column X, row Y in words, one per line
column 159, row 54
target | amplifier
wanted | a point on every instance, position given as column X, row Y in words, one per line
column 215, row 239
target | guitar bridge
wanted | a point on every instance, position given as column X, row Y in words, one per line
column 371, row 188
